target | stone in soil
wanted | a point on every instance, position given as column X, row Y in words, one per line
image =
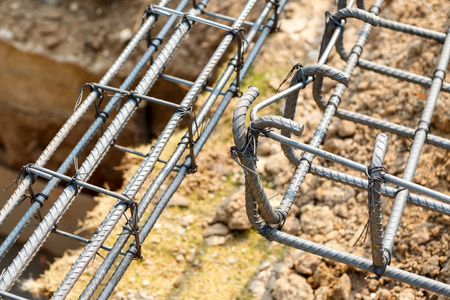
column 293, row 286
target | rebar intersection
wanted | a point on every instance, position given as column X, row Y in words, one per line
column 268, row 221
column 122, row 105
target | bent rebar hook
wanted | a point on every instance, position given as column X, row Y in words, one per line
column 246, row 142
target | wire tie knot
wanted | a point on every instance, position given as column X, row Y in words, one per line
column 332, row 20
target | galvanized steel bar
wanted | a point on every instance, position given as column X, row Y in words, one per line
column 416, row 147
column 80, row 239
column 80, row 110
column 168, row 12
column 184, row 82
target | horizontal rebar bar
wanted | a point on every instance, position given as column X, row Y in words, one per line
column 168, row 12
column 362, row 183
column 81, row 239
column 184, row 82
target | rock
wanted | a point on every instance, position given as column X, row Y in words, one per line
column 321, row 293
column 187, row 220
column 217, row 240
column 346, row 129
column 306, row 263
column 293, row 286
column 342, row 289
column 267, row 147
column 292, row 225
column 422, row 233
column 330, row 194
column 261, row 286
column 323, row 276
column 316, row 219
column 406, row 294
column 276, row 164
column 179, row 200
column 431, row 266
column 384, row 294
column 217, row 229
column 334, row 145
column 125, row 34
column 231, row 211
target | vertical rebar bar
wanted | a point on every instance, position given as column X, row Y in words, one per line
column 374, row 190
column 417, row 145
column 328, row 114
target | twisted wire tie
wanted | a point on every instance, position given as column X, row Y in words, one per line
column 149, row 10
column 184, row 18
column 267, row 231
column 133, row 228
column 379, row 274
column 80, row 94
column 372, row 179
column 297, row 66
column 330, row 19
column 34, row 198
column 24, row 171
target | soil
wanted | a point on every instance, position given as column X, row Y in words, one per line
column 189, row 268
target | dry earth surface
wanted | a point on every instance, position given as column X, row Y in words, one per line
column 203, row 247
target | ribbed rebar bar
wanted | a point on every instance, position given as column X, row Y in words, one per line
column 158, row 181
column 374, row 173
column 141, row 174
column 76, row 116
column 291, row 99
column 244, row 151
column 96, row 125
column 416, row 147
column 363, row 184
column 390, row 127
column 359, row 262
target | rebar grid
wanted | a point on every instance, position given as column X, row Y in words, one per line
column 246, row 141
column 261, row 26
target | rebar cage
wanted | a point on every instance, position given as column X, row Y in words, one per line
column 269, row 222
